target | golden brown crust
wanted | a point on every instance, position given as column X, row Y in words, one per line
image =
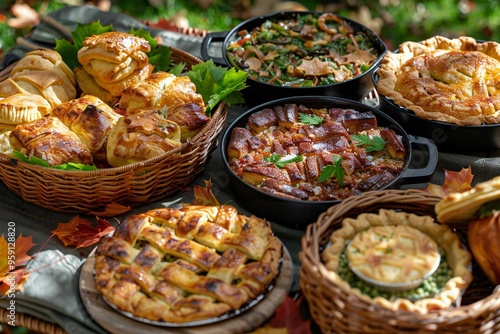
column 450, row 80
column 49, row 139
column 458, row 258
column 22, row 108
column 188, row 264
column 141, row 136
column 461, row 207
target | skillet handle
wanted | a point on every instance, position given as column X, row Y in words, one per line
column 422, row 174
column 213, row 37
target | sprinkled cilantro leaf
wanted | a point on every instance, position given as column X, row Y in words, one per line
column 310, row 119
column 334, row 170
column 374, row 143
column 276, row 159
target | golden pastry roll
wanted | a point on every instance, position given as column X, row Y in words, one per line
column 91, row 119
column 190, row 117
column 140, row 137
column 49, row 139
column 22, row 108
column 158, row 90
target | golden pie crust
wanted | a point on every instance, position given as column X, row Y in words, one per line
column 461, row 207
column 189, row 264
column 456, row 81
column 393, row 253
column 458, row 258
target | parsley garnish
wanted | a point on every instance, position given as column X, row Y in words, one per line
column 376, row 143
column 310, row 119
column 276, row 160
column 40, row 162
column 335, row 170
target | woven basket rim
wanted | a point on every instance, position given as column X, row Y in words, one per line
column 321, row 228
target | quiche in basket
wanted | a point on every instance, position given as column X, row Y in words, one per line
column 187, row 265
column 390, row 247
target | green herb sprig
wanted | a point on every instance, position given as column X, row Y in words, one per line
column 276, row 160
column 310, row 119
column 371, row 144
column 335, row 170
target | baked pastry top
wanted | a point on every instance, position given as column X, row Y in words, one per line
column 393, row 253
column 183, row 265
column 450, row 80
column 456, row 259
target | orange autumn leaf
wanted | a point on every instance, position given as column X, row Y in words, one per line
column 205, row 196
column 111, row 210
column 81, row 233
column 454, row 182
column 13, row 257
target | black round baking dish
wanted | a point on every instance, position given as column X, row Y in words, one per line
column 421, row 161
column 215, row 45
column 447, row 137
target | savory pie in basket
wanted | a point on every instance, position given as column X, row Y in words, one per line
column 440, row 292
column 187, row 265
column 456, row 81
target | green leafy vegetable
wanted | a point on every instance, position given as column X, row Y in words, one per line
column 310, row 119
column 216, row 83
column 376, row 143
column 335, row 170
column 40, row 162
column 276, row 159
column 489, row 209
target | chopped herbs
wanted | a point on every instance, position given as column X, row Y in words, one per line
column 334, row 170
column 276, row 159
column 371, row 143
column 310, row 119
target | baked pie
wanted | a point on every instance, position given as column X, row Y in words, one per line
column 411, row 238
column 450, row 80
column 186, row 265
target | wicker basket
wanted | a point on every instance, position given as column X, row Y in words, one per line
column 337, row 310
column 131, row 185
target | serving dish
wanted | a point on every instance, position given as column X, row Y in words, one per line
column 300, row 213
column 438, row 103
column 333, row 306
column 80, row 191
column 356, row 88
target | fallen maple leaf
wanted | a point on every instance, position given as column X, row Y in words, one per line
column 111, row 210
column 81, row 233
column 13, row 257
column 454, row 182
column 204, row 196
column 288, row 316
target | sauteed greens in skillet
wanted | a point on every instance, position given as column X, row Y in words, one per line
column 309, row 50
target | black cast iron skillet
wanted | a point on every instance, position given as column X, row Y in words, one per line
column 420, row 164
column 258, row 92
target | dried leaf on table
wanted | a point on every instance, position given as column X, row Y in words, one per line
column 454, row 182
column 205, row 196
column 111, row 210
column 81, row 233
column 13, row 257
column 288, row 319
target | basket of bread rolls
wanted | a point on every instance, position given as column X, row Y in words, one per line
column 404, row 261
column 111, row 129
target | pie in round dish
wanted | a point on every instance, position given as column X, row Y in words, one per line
column 456, row 81
column 416, row 251
column 187, row 265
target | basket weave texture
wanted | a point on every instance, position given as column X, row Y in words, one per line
column 337, row 310
column 132, row 185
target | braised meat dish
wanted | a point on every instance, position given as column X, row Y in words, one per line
column 318, row 154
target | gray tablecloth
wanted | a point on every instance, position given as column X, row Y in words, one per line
column 51, row 291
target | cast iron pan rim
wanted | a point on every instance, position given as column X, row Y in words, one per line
column 297, row 99
column 358, row 27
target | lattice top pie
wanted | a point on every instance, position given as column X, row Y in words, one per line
column 188, row 264
column 451, row 80
column 367, row 226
